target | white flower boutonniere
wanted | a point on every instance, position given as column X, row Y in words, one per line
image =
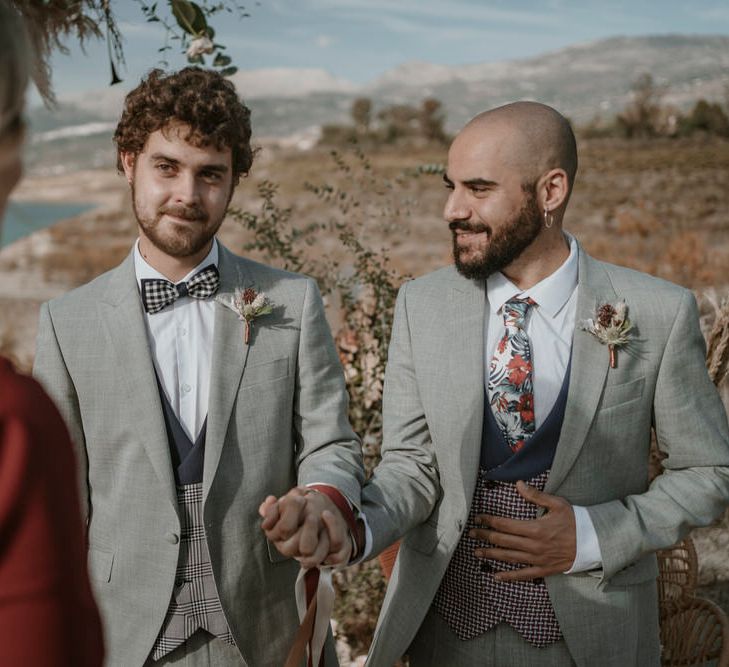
column 611, row 327
column 248, row 305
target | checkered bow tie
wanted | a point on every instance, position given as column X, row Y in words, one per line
column 158, row 293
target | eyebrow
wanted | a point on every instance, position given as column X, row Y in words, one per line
column 480, row 182
column 221, row 168
column 472, row 182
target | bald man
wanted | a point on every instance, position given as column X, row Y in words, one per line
column 527, row 379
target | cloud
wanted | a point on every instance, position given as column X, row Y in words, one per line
column 324, row 41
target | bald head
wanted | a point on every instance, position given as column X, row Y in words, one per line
column 535, row 138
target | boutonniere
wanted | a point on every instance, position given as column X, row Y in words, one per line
column 611, row 327
column 248, row 305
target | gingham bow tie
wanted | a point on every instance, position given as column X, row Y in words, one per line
column 158, row 293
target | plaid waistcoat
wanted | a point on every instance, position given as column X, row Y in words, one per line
column 195, row 602
column 469, row 598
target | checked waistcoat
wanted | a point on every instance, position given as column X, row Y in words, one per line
column 195, row 602
column 469, row 598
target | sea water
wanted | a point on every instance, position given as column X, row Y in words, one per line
column 22, row 218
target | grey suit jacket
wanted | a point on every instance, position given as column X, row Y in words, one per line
column 277, row 417
column 434, row 406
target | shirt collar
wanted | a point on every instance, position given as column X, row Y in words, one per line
column 144, row 271
column 550, row 294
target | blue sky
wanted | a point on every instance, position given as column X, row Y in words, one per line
column 360, row 39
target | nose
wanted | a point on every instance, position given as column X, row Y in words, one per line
column 187, row 190
column 456, row 208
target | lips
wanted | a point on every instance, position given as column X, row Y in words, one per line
column 183, row 214
column 467, row 229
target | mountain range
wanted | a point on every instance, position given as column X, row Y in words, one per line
column 583, row 81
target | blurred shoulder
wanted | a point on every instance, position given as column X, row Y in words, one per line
column 21, row 397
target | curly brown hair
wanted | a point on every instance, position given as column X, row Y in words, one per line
column 200, row 98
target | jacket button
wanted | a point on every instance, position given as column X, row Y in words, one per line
column 459, row 525
column 172, row 538
column 178, row 582
column 485, row 566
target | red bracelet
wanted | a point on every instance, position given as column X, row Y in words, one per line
column 337, row 497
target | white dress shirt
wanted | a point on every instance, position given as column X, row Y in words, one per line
column 549, row 325
column 181, row 341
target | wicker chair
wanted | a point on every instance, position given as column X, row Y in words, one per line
column 694, row 631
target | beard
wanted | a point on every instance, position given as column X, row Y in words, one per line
column 179, row 240
column 504, row 246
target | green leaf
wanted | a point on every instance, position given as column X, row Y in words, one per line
column 189, row 17
column 210, row 32
column 229, row 71
column 221, row 60
column 195, row 60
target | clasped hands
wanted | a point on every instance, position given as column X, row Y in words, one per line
column 306, row 525
column 545, row 545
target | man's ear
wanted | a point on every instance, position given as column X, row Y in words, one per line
column 127, row 161
column 555, row 189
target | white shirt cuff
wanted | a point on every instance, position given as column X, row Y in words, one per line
column 588, row 556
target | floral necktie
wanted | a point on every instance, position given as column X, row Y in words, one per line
column 511, row 375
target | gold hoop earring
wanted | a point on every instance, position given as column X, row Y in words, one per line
column 548, row 219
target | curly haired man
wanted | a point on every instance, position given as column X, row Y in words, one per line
column 186, row 409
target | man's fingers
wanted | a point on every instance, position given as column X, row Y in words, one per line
column 525, row 528
column 537, row 497
column 337, row 529
column 319, row 554
column 340, row 550
column 268, row 510
column 506, row 540
column 291, row 514
column 508, row 555
column 523, row 574
column 309, row 536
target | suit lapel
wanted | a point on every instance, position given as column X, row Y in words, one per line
column 590, row 363
column 466, row 372
column 122, row 315
column 228, row 361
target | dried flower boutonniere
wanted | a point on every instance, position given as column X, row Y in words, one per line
column 248, row 304
column 611, row 327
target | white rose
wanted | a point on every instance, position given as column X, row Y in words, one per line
column 200, row 45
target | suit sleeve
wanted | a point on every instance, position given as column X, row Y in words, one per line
column 404, row 487
column 691, row 429
column 329, row 451
column 50, row 370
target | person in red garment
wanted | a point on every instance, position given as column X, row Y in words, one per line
column 48, row 617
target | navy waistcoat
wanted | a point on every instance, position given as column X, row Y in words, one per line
column 537, row 454
column 187, row 456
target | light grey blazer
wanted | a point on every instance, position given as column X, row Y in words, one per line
column 433, row 412
column 277, row 417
